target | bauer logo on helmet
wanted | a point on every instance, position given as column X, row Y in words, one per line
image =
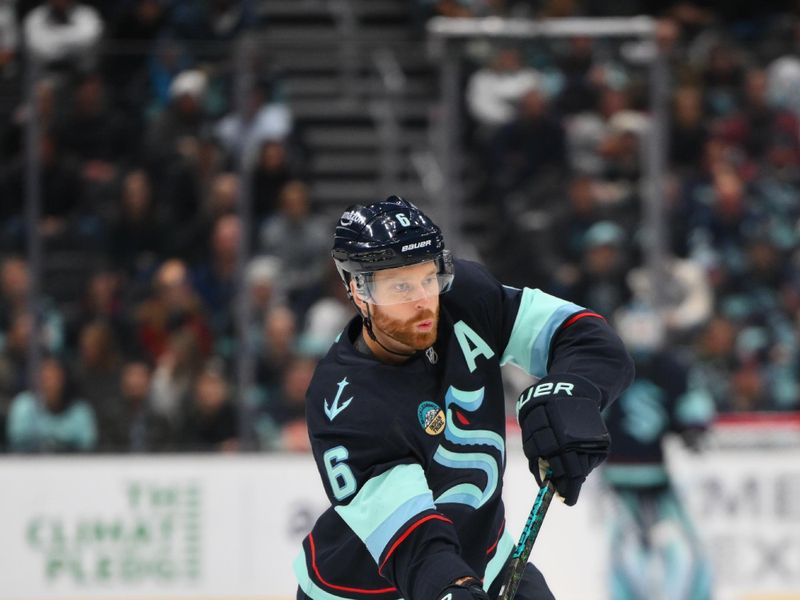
column 416, row 245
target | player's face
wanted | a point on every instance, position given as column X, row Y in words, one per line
column 412, row 324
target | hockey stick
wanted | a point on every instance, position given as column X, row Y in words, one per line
column 519, row 557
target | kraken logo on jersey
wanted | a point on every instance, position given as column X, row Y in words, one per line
column 466, row 456
column 431, row 417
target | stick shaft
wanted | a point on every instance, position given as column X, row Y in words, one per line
column 519, row 557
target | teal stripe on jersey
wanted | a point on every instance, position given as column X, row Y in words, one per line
column 387, row 500
column 636, row 475
column 539, row 316
column 311, row 589
column 470, row 400
column 378, row 539
column 469, row 460
column 463, row 493
column 494, row 566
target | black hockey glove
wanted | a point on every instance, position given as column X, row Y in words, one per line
column 469, row 590
column 561, row 425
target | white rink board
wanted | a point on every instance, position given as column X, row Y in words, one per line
column 205, row 527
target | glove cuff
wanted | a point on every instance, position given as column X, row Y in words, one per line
column 470, row 583
column 435, row 573
column 556, row 385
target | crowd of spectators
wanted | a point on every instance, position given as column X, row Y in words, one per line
column 561, row 127
column 142, row 151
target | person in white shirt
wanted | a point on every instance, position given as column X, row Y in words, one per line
column 62, row 33
column 494, row 91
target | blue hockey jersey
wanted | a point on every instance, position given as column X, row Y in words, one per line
column 412, row 455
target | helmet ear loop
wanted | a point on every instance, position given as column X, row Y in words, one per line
column 367, row 319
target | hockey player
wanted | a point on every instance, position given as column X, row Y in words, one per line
column 654, row 548
column 407, row 419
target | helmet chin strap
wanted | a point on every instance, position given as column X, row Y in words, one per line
column 368, row 325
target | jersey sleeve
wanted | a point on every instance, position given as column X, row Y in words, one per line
column 544, row 334
column 589, row 347
column 373, row 477
column 521, row 323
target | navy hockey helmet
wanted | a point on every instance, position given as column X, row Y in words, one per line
column 385, row 235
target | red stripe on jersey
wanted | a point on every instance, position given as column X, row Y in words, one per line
column 339, row 587
column 461, row 418
column 407, row 532
column 497, row 541
column 579, row 316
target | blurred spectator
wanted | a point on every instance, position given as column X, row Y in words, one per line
column 211, row 421
column 689, row 132
column 327, row 317
column 134, row 31
column 754, row 123
column 688, row 300
column 783, row 82
column 53, row 419
column 172, row 139
column 588, row 129
column 136, row 238
column 265, row 120
column 284, row 426
column 573, row 219
column 45, row 109
column 272, row 171
column 495, row 90
column 722, row 75
column 277, row 348
column 466, row 8
column 220, row 200
column 13, row 363
column 95, row 136
column 103, row 302
column 216, row 280
column 620, row 154
column 300, row 241
column 579, row 92
column 263, row 281
column 63, row 34
column 167, row 59
column 175, row 375
column 601, row 284
column 15, row 299
column 139, row 428
column 212, row 21
column 60, row 194
column 529, row 144
column 97, row 372
column 720, row 219
column 715, row 360
column 661, row 400
column 172, row 308
column 9, row 39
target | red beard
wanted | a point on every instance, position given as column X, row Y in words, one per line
column 405, row 331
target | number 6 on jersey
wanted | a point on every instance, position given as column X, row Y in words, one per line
column 343, row 483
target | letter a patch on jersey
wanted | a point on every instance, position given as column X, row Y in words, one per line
column 334, row 408
column 472, row 345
